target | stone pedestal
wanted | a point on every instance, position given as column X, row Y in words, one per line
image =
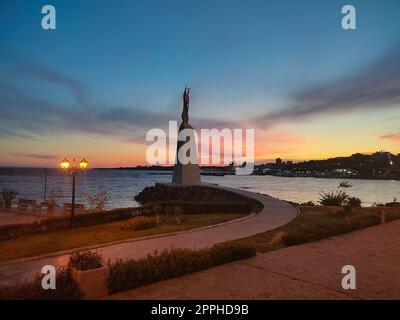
column 186, row 174
column 93, row 282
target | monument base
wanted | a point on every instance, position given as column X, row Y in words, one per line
column 186, row 174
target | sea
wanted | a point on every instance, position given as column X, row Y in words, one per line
column 121, row 186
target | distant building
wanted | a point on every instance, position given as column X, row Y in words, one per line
column 278, row 161
column 381, row 155
column 344, row 172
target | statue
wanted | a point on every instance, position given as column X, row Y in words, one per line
column 186, row 173
column 185, row 111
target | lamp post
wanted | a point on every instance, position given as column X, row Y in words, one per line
column 45, row 186
column 72, row 168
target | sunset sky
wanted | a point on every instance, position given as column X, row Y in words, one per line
column 112, row 70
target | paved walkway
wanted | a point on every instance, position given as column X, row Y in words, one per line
column 274, row 214
column 308, row 271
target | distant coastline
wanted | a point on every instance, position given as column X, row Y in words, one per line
column 169, row 171
column 380, row 165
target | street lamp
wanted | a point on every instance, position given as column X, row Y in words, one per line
column 72, row 168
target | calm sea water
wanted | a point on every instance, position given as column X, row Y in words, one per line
column 122, row 185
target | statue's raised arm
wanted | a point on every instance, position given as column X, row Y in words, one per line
column 185, row 112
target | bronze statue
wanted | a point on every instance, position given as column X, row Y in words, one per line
column 185, row 112
column 186, row 173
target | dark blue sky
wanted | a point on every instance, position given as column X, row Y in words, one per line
column 123, row 63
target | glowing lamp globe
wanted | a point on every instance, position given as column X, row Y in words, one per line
column 65, row 164
column 83, row 164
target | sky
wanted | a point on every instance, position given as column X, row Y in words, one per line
column 112, row 70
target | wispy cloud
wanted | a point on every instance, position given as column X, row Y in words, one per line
column 394, row 137
column 35, row 156
column 43, row 72
column 376, row 86
column 25, row 116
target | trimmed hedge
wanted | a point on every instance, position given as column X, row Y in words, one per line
column 302, row 233
column 125, row 275
column 60, row 223
column 162, row 193
column 85, row 260
column 67, row 289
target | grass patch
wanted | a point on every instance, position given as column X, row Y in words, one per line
column 316, row 223
column 37, row 244
column 140, row 223
column 13, row 231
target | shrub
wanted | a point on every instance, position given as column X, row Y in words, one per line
column 394, row 203
column 8, row 196
column 353, row 202
column 308, row 204
column 98, row 201
column 67, row 289
column 54, row 194
column 172, row 215
column 85, row 260
column 157, row 209
column 378, row 204
column 125, row 275
column 337, row 198
column 139, row 223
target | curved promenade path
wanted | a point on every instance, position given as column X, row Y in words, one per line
column 275, row 213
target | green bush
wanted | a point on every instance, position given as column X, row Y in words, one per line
column 67, row 289
column 307, row 204
column 334, row 198
column 353, row 202
column 393, row 204
column 125, row 275
column 139, row 223
column 85, row 260
column 60, row 223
